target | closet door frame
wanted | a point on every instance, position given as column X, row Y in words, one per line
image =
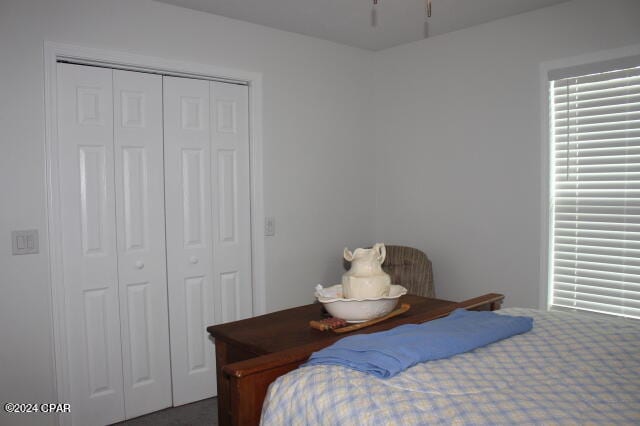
column 58, row 52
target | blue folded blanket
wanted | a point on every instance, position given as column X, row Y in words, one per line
column 387, row 353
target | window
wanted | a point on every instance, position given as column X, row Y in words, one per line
column 595, row 190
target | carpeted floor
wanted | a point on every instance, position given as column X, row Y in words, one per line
column 203, row 412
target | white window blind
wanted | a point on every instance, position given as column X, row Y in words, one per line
column 595, row 194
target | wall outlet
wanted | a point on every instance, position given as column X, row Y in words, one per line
column 24, row 242
column 269, row 226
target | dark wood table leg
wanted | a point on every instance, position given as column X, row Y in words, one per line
column 222, row 359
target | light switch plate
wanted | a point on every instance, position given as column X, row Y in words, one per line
column 24, row 242
column 269, row 226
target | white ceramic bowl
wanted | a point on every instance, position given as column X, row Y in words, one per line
column 360, row 310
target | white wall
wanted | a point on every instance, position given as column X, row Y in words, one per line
column 315, row 152
column 458, row 147
column 459, row 142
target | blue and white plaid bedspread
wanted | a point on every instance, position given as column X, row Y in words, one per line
column 570, row 369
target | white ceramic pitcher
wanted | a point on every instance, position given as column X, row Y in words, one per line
column 366, row 279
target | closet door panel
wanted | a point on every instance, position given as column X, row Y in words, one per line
column 189, row 237
column 231, row 200
column 86, row 158
column 139, row 181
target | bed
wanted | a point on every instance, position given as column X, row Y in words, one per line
column 570, row 369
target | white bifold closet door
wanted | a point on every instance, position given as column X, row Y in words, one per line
column 208, row 223
column 111, row 184
column 142, row 284
column 139, row 185
column 85, row 133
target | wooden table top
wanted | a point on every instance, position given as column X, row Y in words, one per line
column 289, row 328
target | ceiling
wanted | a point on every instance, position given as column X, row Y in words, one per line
column 350, row 21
